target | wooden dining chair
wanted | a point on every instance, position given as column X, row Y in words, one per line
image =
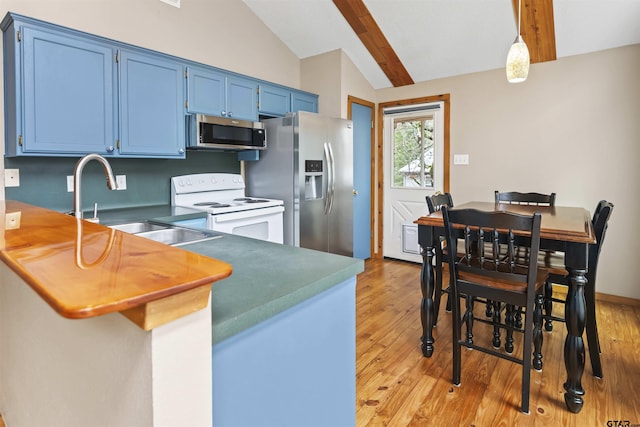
column 514, row 197
column 554, row 262
column 518, row 198
column 496, row 277
column 435, row 203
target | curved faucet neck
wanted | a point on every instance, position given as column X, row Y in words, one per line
column 77, row 174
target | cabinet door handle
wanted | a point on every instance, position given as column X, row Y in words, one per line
column 223, row 113
column 110, row 149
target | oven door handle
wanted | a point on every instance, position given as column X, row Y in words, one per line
column 234, row 216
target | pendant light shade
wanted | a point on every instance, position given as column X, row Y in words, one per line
column 518, row 58
column 518, row 61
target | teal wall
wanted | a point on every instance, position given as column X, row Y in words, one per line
column 43, row 180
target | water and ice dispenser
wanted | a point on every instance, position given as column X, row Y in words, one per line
column 313, row 178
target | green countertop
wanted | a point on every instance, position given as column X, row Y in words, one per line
column 267, row 279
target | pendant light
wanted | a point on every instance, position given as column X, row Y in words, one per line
column 518, row 57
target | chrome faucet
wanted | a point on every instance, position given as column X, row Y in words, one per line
column 77, row 173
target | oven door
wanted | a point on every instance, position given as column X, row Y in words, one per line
column 262, row 224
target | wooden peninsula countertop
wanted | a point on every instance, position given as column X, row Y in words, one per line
column 82, row 269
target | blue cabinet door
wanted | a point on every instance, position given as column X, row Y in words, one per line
column 206, row 91
column 273, row 100
column 152, row 115
column 242, row 98
column 216, row 93
column 69, row 104
column 304, row 102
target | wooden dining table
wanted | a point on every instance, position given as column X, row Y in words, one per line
column 565, row 229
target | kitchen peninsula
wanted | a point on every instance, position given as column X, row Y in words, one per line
column 285, row 313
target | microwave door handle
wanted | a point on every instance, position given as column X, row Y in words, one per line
column 332, row 178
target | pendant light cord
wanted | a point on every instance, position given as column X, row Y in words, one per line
column 519, row 12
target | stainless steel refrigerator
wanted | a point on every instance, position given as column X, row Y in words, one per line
column 308, row 163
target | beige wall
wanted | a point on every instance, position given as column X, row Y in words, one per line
column 573, row 127
column 334, row 77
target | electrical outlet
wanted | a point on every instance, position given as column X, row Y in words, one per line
column 121, row 181
column 69, row 183
column 12, row 178
column 12, row 220
column 460, row 159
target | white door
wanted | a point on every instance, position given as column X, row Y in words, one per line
column 413, row 168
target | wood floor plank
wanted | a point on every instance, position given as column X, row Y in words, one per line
column 397, row 386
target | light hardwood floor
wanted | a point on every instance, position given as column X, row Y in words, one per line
column 397, row 386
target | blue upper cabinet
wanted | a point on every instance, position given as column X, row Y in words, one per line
column 242, row 98
column 217, row 93
column 69, row 93
column 302, row 101
column 63, row 100
column 274, row 100
column 64, row 97
column 206, row 91
column 151, row 105
column 277, row 100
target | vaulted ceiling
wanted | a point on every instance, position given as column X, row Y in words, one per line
column 398, row 42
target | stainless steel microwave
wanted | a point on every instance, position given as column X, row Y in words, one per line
column 222, row 133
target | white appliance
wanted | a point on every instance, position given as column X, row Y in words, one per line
column 229, row 210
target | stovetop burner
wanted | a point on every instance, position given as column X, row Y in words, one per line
column 212, row 204
column 250, row 200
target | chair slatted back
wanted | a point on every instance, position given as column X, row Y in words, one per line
column 497, row 233
column 514, row 197
column 437, row 201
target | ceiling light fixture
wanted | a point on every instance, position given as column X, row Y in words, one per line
column 518, row 57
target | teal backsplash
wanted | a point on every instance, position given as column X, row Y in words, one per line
column 43, row 180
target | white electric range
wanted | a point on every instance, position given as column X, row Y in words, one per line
column 229, row 210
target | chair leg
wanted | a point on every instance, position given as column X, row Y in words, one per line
column 469, row 320
column 496, row 329
column 526, row 361
column 437, row 293
column 489, row 310
column 592, row 330
column 518, row 318
column 548, row 305
column 537, row 333
column 510, row 317
column 456, row 324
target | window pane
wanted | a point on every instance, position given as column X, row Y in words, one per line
column 413, row 152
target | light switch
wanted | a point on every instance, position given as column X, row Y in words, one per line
column 460, row 159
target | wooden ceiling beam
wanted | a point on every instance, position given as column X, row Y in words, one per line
column 366, row 28
column 537, row 29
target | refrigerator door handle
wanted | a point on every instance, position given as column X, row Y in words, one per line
column 332, row 179
column 326, row 199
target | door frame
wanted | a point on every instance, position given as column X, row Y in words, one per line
column 446, row 101
column 350, row 101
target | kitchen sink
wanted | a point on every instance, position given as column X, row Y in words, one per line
column 138, row 227
column 166, row 233
column 178, row 236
